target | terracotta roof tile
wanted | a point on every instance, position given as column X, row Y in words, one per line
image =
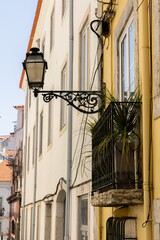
column 9, row 153
column 5, row 137
column 5, row 172
column 20, row 106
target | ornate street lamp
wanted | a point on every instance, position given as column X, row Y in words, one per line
column 35, row 67
column 84, row 101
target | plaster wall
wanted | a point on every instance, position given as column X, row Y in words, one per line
column 52, row 164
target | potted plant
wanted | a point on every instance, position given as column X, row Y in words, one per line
column 118, row 131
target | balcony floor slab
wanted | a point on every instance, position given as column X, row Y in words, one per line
column 117, row 197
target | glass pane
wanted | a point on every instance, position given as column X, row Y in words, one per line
column 63, row 103
column 83, row 218
column 63, row 6
column 131, row 56
column 124, row 67
column 83, row 63
column 84, row 212
column 50, row 123
column 52, row 31
column 84, row 235
column 35, row 71
column 84, row 59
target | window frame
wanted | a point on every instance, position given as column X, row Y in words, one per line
column 124, row 34
column 129, row 9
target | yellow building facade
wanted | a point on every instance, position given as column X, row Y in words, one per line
column 129, row 205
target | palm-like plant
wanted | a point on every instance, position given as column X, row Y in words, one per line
column 123, row 131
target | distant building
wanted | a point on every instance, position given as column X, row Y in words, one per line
column 15, row 198
column 5, row 190
column 7, row 143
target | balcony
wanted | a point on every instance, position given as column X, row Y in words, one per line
column 116, row 156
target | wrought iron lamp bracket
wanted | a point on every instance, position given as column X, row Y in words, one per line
column 84, row 101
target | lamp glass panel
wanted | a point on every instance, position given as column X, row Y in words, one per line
column 35, row 71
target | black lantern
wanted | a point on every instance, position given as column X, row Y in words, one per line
column 35, row 67
column 84, row 101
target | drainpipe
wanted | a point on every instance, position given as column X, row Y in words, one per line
column 69, row 139
column 143, row 10
column 35, row 172
column 25, row 167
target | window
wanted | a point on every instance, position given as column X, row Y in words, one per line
column 43, row 47
column 28, row 159
column 52, row 30
column 34, row 139
column 50, row 119
column 22, row 118
column 84, row 40
column 63, row 103
column 83, row 217
column 41, row 134
column 29, row 98
column 38, row 222
column 13, row 227
column 63, row 7
column 126, row 47
column 26, row 224
column 38, row 43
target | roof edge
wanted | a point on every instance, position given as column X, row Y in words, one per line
column 39, row 4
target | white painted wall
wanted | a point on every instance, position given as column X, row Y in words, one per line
column 52, row 165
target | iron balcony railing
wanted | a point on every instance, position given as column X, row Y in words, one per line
column 116, row 229
column 116, row 148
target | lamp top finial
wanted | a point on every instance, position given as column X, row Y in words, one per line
column 34, row 50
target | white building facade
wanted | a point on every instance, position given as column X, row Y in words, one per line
column 45, row 150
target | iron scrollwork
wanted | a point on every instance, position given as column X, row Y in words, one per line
column 84, row 101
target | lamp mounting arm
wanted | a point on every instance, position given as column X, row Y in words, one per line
column 84, row 101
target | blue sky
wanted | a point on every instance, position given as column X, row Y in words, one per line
column 16, row 19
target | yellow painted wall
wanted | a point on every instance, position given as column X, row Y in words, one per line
column 140, row 211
